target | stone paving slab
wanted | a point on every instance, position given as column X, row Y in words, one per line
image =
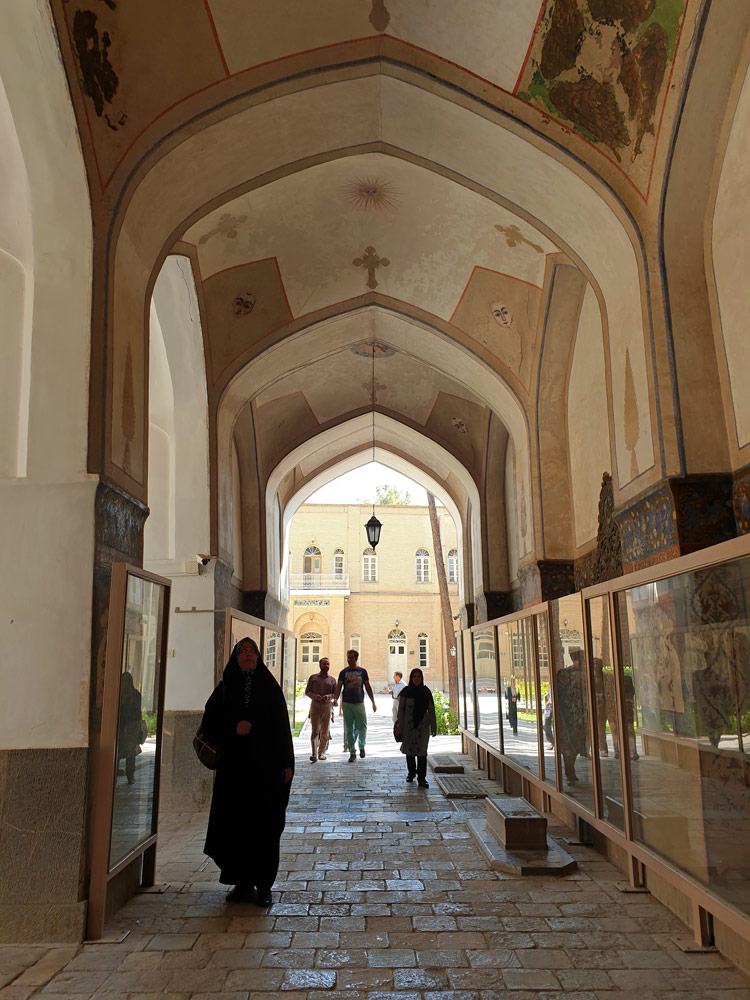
column 383, row 893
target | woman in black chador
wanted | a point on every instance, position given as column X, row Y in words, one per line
column 415, row 723
column 247, row 715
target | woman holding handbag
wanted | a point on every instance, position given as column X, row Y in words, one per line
column 247, row 717
column 414, row 724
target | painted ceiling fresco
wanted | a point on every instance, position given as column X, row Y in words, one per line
column 603, row 68
column 599, row 67
column 368, row 223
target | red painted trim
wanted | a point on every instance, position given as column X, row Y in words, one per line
column 664, row 103
column 281, row 59
column 216, row 37
column 528, row 50
column 503, row 274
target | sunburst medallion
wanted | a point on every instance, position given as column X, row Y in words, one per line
column 370, row 192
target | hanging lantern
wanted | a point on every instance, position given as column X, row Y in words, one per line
column 372, row 528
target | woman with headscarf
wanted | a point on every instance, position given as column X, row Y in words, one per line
column 247, row 716
column 415, row 723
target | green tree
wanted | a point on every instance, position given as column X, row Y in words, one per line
column 391, row 496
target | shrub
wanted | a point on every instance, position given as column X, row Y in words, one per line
column 447, row 721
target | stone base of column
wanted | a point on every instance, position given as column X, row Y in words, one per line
column 43, row 808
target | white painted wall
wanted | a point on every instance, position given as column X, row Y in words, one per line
column 588, row 439
column 511, row 514
column 731, row 258
column 178, row 526
column 46, row 496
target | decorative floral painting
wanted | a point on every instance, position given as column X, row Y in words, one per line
column 603, row 67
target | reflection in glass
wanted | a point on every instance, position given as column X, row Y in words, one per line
column 469, row 681
column 461, row 684
column 685, row 649
column 272, row 657
column 289, row 674
column 518, row 688
column 605, row 711
column 545, row 692
column 133, row 807
column 571, row 693
column 488, row 716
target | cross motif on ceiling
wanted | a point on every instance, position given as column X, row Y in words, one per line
column 225, row 226
column 370, row 261
column 514, row 237
column 372, row 388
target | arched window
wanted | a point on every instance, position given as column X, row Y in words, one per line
column 424, row 659
column 310, row 565
column 310, row 646
column 369, row 566
column 355, row 642
column 453, row 566
column 422, row 565
column 338, row 563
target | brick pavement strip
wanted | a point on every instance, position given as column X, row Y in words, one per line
column 389, row 898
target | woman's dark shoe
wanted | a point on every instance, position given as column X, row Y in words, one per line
column 423, row 784
column 240, row 894
column 263, row 897
column 410, row 777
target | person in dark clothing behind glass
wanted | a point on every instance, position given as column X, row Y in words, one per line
column 247, row 715
column 129, row 724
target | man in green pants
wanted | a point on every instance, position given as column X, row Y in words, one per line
column 354, row 681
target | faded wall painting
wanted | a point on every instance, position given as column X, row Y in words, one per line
column 243, row 306
column 501, row 312
column 134, row 60
column 603, row 67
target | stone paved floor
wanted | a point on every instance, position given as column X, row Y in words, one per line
column 382, row 894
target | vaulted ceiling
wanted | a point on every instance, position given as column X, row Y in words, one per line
column 378, row 172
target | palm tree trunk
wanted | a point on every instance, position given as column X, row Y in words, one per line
column 445, row 606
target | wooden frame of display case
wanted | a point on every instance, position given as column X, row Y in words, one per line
column 105, row 753
column 264, row 628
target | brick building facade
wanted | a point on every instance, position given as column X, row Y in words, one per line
column 386, row 604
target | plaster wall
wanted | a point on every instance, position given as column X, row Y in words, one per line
column 588, row 432
column 731, row 260
column 48, row 222
column 47, row 499
column 511, row 514
column 178, row 526
column 190, row 665
column 45, row 634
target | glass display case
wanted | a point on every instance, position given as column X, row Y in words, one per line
column 486, row 687
column 127, row 756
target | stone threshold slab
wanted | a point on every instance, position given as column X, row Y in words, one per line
column 459, row 787
column 552, row 862
column 445, row 763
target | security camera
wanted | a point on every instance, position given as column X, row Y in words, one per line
column 202, row 560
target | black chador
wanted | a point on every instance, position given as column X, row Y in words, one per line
column 250, row 796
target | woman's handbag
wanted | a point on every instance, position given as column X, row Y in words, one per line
column 207, row 753
column 397, row 732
